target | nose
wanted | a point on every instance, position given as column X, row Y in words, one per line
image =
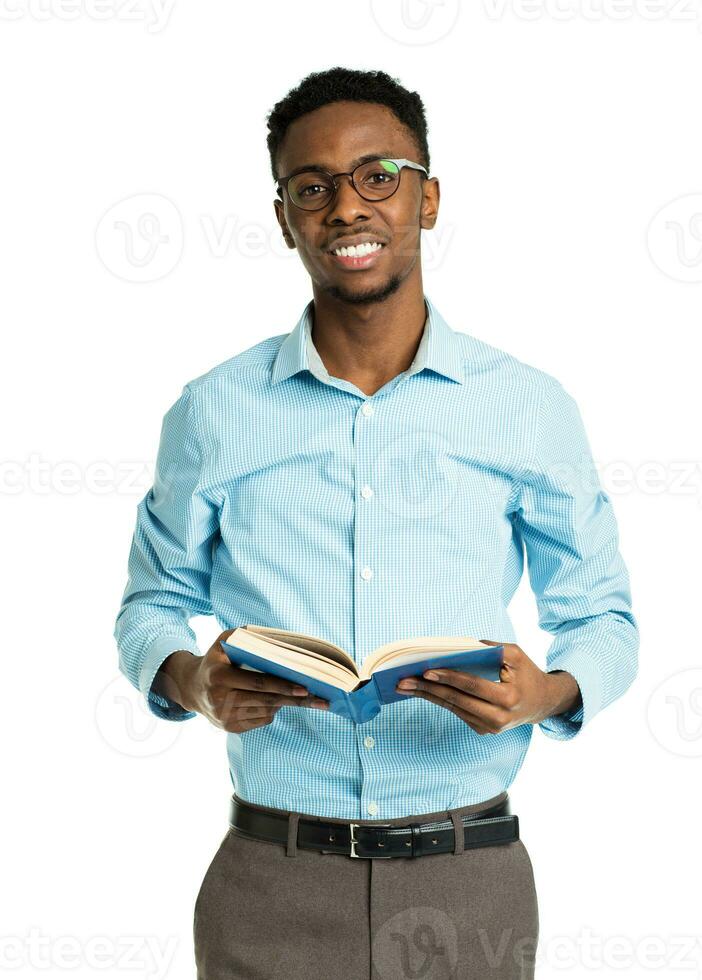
column 348, row 203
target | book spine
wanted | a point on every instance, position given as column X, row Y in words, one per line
column 364, row 703
column 340, row 704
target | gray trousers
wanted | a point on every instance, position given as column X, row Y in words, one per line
column 268, row 911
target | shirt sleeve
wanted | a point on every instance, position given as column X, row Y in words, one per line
column 170, row 561
column 577, row 574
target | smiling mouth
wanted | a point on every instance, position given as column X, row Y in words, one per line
column 357, row 256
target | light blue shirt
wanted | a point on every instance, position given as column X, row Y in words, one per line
column 286, row 497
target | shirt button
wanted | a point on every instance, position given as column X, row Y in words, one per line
column 367, row 573
column 369, row 741
column 366, row 492
column 372, row 807
column 367, row 409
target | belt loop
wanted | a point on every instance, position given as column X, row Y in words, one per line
column 291, row 849
column 457, row 821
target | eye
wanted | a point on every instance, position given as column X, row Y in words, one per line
column 379, row 174
column 313, row 188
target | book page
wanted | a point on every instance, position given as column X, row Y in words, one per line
column 303, row 661
column 306, row 644
column 416, row 649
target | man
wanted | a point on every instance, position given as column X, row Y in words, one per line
column 369, row 476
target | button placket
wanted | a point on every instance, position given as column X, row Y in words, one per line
column 365, row 534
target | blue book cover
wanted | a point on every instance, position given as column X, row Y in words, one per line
column 373, row 685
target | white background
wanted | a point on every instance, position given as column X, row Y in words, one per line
column 558, row 131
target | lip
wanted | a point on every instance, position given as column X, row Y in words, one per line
column 356, row 262
column 343, row 241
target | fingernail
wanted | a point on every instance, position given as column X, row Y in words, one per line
column 319, row 703
column 431, row 676
column 299, row 690
column 408, row 682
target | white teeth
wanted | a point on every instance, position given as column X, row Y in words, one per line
column 358, row 250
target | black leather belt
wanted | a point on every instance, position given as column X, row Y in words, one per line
column 495, row 825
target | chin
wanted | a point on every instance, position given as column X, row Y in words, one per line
column 364, row 294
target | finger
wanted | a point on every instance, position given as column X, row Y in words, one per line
column 311, row 702
column 254, row 680
column 245, row 706
column 235, row 699
column 256, row 714
column 489, row 714
column 216, row 648
column 243, row 697
column 477, row 687
column 232, row 719
column 472, row 720
column 245, row 726
column 512, row 651
column 252, row 713
column 262, row 681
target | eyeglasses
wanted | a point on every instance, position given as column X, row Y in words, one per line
column 375, row 180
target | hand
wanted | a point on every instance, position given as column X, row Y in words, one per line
column 525, row 695
column 230, row 697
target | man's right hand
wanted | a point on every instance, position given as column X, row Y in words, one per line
column 232, row 698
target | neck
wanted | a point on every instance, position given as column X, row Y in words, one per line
column 368, row 344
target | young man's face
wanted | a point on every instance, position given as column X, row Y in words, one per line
column 336, row 136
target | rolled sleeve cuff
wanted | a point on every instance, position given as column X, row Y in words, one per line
column 156, row 653
column 570, row 723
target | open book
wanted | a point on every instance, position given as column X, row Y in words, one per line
column 329, row 672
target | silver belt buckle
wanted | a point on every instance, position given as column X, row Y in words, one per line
column 354, row 841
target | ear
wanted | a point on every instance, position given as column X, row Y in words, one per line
column 280, row 215
column 430, row 202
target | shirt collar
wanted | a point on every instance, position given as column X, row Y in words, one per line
column 439, row 349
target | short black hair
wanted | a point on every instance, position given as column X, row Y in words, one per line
column 347, row 84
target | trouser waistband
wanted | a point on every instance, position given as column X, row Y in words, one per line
column 475, row 825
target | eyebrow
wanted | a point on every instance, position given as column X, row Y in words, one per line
column 385, row 155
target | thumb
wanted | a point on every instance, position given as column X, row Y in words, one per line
column 504, row 669
column 221, row 654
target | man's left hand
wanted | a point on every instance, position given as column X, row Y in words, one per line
column 525, row 695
